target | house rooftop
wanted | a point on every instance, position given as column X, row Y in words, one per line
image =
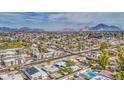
column 34, row 72
column 31, row 70
column 75, row 68
column 51, row 69
column 61, row 64
column 107, row 73
column 11, row 77
column 100, row 77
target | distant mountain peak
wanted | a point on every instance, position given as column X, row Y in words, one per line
column 101, row 27
column 104, row 27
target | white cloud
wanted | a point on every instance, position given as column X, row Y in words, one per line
column 89, row 18
column 19, row 17
column 61, row 19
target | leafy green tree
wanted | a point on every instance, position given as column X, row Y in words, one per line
column 43, row 48
column 104, row 45
column 71, row 63
column 120, row 48
column 66, row 70
column 112, row 53
column 103, row 59
column 121, row 61
column 93, row 65
column 119, row 75
column 120, row 71
column 81, row 47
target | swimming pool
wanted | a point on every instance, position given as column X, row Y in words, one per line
column 91, row 74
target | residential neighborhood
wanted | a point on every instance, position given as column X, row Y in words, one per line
column 83, row 55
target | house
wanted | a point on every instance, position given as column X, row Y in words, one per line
column 35, row 73
column 75, row 68
column 35, row 51
column 107, row 74
column 11, row 61
column 7, row 53
column 113, row 42
column 80, row 76
column 61, row 64
column 11, row 77
column 100, row 77
column 51, row 69
column 51, row 53
column 93, row 55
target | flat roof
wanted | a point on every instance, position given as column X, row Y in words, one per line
column 51, row 69
column 100, row 77
column 31, row 70
column 11, row 77
column 107, row 73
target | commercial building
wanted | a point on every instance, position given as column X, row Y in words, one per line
column 35, row 73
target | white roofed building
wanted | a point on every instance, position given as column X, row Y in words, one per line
column 61, row 64
column 51, row 69
column 75, row 68
column 11, row 77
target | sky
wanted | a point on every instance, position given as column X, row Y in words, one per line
column 60, row 20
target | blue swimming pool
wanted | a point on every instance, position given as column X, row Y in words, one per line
column 91, row 74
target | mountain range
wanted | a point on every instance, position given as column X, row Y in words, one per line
column 23, row 29
column 99, row 27
column 102, row 27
